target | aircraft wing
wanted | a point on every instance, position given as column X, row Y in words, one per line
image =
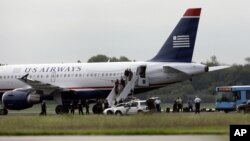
column 38, row 85
column 215, row 68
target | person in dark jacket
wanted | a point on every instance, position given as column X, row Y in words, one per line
column 87, row 107
column 43, row 108
column 80, row 108
column 72, row 108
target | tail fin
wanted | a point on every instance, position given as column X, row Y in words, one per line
column 180, row 44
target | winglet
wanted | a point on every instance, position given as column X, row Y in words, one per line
column 25, row 77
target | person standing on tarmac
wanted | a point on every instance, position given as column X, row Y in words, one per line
column 157, row 104
column 43, row 109
column 87, row 107
column 80, row 109
column 190, row 105
column 197, row 102
column 179, row 104
column 72, row 108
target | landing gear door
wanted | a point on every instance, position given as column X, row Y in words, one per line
column 141, row 72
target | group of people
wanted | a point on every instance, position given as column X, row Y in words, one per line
column 128, row 74
column 178, row 105
column 120, row 84
column 80, row 105
column 72, row 107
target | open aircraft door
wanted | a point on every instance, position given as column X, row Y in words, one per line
column 141, row 72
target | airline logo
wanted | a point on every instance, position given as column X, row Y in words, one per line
column 181, row 41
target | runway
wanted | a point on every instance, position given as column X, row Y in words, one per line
column 118, row 138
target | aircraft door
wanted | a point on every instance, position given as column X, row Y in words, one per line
column 141, row 72
column 53, row 77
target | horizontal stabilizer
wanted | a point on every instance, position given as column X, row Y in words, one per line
column 217, row 68
column 171, row 70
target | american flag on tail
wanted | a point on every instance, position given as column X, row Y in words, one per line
column 181, row 41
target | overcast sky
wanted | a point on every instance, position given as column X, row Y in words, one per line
column 55, row 31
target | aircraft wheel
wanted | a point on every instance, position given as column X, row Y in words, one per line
column 97, row 109
column 61, row 110
column 3, row 112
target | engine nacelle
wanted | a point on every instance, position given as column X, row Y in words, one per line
column 20, row 99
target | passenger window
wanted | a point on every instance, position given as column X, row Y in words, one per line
column 76, row 75
column 68, row 75
column 237, row 95
column 0, row 77
column 248, row 94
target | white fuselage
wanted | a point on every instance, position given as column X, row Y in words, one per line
column 83, row 77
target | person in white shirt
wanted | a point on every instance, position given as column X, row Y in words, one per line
column 197, row 102
column 157, row 104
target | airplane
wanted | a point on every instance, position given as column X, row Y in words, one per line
column 22, row 86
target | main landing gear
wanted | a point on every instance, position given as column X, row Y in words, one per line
column 60, row 109
column 3, row 112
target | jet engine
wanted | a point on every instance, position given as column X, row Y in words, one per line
column 20, row 99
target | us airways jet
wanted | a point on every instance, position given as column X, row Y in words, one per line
column 22, row 86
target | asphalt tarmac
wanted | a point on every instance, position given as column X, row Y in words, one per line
column 118, row 138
